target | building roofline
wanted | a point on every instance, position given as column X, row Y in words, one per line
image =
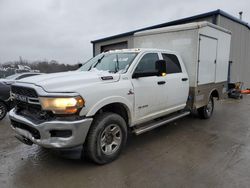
column 233, row 18
column 176, row 22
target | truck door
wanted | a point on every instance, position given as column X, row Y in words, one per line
column 207, row 60
column 148, row 90
column 177, row 83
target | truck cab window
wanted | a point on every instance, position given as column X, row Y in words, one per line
column 147, row 63
column 173, row 64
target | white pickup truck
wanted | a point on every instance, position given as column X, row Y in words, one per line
column 116, row 92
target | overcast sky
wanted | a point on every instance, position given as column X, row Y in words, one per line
column 62, row 29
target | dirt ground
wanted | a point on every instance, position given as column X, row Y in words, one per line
column 187, row 153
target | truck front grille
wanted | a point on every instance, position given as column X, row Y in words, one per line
column 24, row 91
column 33, row 108
column 34, row 132
column 33, row 112
column 30, row 107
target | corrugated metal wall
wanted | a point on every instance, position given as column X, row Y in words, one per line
column 240, row 50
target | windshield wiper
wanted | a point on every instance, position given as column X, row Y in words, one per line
column 98, row 61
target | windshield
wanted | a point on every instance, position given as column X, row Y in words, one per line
column 112, row 62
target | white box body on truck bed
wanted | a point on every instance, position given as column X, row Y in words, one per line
column 204, row 48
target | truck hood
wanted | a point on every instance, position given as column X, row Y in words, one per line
column 70, row 81
column 7, row 82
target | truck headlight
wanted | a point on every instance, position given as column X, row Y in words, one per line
column 62, row 105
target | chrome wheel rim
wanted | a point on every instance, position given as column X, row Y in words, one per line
column 209, row 108
column 111, row 138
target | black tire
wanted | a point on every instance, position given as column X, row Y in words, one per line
column 3, row 110
column 206, row 112
column 97, row 140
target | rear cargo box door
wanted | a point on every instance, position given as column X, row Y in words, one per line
column 207, row 60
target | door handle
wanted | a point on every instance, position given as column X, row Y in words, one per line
column 184, row 79
column 161, row 82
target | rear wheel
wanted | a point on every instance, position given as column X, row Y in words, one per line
column 106, row 138
column 206, row 112
column 3, row 110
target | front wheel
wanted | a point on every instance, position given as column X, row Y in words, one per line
column 206, row 112
column 106, row 138
column 3, row 110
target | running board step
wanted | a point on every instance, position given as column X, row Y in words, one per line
column 148, row 127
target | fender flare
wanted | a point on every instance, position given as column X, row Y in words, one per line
column 110, row 100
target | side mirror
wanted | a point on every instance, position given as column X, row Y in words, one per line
column 160, row 66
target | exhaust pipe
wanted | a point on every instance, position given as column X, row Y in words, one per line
column 24, row 140
column 240, row 14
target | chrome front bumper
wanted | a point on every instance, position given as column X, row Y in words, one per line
column 79, row 130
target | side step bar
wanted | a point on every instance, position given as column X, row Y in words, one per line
column 147, row 127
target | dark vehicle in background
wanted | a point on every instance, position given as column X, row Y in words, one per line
column 5, row 100
column 5, row 104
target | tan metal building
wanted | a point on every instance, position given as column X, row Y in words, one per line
column 239, row 66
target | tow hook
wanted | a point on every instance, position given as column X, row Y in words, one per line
column 24, row 140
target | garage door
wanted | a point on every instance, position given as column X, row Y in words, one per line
column 114, row 46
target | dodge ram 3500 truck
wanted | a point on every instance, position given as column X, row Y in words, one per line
column 120, row 91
